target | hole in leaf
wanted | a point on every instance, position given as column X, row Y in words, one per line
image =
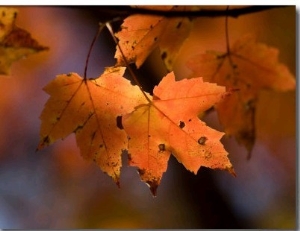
column 202, row 140
column 119, row 122
column 162, row 147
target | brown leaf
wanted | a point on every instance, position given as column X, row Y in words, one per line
column 249, row 67
column 15, row 43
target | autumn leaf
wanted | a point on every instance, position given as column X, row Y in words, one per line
column 249, row 67
column 141, row 34
column 90, row 109
column 169, row 124
column 15, row 43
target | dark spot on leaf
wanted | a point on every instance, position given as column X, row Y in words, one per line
column 155, row 39
column 79, row 127
column 93, row 135
column 221, row 56
column 162, row 147
column 69, row 75
column 113, row 164
column 119, row 122
column 179, row 25
column 101, row 146
column 250, row 105
column 208, row 155
column 202, row 140
column 181, row 124
column 163, row 55
column 190, row 120
column 46, row 140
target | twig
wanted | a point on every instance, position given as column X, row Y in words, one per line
column 124, row 11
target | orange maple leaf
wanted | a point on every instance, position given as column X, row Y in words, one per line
column 169, row 123
column 249, row 67
column 15, row 43
column 90, row 108
column 141, row 34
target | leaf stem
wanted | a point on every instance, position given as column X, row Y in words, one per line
column 100, row 28
column 126, row 62
column 228, row 52
column 226, row 32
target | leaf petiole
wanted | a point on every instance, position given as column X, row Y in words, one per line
column 90, row 50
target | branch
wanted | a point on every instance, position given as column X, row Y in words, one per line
column 125, row 11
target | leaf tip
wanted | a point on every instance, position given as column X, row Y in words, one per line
column 118, row 183
column 152, row 183
column 231, row 171
column 44, row 142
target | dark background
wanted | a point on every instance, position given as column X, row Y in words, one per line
column 56, row 189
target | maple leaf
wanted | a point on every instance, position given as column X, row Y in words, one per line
column 15, row 43
column 90, row 108
column 249, row 67
column 141, row 34
column 168, row 123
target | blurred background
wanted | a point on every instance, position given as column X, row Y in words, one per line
column 56, row 189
